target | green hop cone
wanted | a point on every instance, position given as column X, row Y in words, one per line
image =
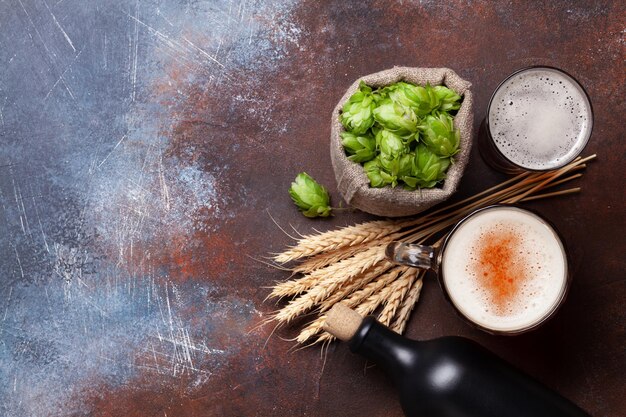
column 311, row 198
column 394, row 168
column 373, row 172
column 440, row 136
column 428, row 168
column 448, row 99
column 390, row 144
column 360, row 148
column 410, row 182
column 423, row 100
column 396, row 118
column 357, row 113
column 379, row 96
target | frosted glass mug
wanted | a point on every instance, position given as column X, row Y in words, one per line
column 539, row 118
column 503, row 268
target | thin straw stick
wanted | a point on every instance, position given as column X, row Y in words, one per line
column 554, row 194
column 558, row 173
column 466, row 200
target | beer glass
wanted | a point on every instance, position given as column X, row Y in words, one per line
column 503, row 268
column 538, row 119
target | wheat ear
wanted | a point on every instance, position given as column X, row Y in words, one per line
column 368, row 305
column 292, row 287
column 324, row 259
column 310, row 245
column 311, row 329
column 328, row 280
column 351, row 266
column 355, row 284
column 393, row 302
column 407, row 305
column 315, row 327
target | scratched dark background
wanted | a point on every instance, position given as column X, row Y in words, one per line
column 143, row 143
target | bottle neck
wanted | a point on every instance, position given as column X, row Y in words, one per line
column 384, row 346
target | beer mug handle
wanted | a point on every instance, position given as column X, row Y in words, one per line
column 419, row 256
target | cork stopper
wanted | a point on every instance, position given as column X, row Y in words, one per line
column 342, row 322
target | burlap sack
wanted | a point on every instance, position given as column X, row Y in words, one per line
column 352, row 182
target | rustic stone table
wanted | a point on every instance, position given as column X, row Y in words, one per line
column 143, row 144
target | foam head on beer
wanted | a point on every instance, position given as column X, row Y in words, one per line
column 505, row 269
column 540, row 118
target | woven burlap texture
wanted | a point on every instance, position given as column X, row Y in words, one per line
column 352, row 182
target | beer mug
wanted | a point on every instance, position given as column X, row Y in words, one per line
column 503, row 268
column 538, row 119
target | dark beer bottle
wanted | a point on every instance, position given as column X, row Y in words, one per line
column 449, row 376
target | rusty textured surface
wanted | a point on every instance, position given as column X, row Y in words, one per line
column 143, row 142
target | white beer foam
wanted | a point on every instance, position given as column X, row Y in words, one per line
column 540, row 118
column 540, row 250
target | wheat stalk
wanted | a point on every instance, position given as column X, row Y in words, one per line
column 360, row 261
column 324, row 259
column 315, row 327
column 372, row 302
column 380, row 296
column 408, row 304
column 371, row 289
column 364, row 308
column 402, row 286
column 310, row 245
column 312, row 329
column 324, row 338
column 355, row 284
column 328, row 280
